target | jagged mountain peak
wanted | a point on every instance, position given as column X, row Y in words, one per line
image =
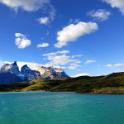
column 14, row 63
column 27, row 73
column 25, row 67
column 12, row 68
column 30, row 74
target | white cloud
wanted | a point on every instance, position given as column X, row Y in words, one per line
column 42, row 45
column 32, row 65
column 81, row 74
column 22, row 41
column 62, row 59
column 74, row 65
column 90, row 61
column 27, row 5
column 116, row 4
column 72, row 32
column 100, row 14
column 115, row 65
column 58, row 58
column 109, row 65
column 32, row 5
column 44, row 20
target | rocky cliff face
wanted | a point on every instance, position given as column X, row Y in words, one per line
column 12, row 68
column 52, row 73
column 27, row 73
column 9, row 78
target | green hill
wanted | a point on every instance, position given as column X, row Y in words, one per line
column 113, row 83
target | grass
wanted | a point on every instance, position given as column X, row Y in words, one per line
column 113, row 83
column 109, row 90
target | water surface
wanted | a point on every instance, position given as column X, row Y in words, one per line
column 60, row 108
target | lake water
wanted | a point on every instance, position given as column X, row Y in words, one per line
column 60, row 108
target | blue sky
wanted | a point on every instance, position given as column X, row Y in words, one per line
column 81, row 36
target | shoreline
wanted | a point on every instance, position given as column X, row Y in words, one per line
column 83, row 93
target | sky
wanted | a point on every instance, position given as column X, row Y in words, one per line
column 84, row 37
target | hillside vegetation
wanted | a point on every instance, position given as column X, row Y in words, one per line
column 113, row 83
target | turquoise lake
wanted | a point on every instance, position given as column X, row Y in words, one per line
column 61, row 108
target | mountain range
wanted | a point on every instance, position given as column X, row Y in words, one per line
column 107, row 84
column 10, row 73
column 55, row 79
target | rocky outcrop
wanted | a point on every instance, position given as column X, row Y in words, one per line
column 29, row 74
column 60, row 74
column 52, row 73
column 12, row 68
column 25, row 74
column 9, row 78
column 12, row 72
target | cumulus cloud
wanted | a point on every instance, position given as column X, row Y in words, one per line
column 42, row 45
column 22, row 41
column 72, row 32
column 62, row 59
column 116, row 4
column 32, row 5
column 44, row 20
column 58, row 58
column 27, row 5
column 90, row 61
column 32, row 65
column 100, row 14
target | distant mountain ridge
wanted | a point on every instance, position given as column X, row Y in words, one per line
column 11, row 71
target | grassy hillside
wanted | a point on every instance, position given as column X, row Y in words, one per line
column 113, row 83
